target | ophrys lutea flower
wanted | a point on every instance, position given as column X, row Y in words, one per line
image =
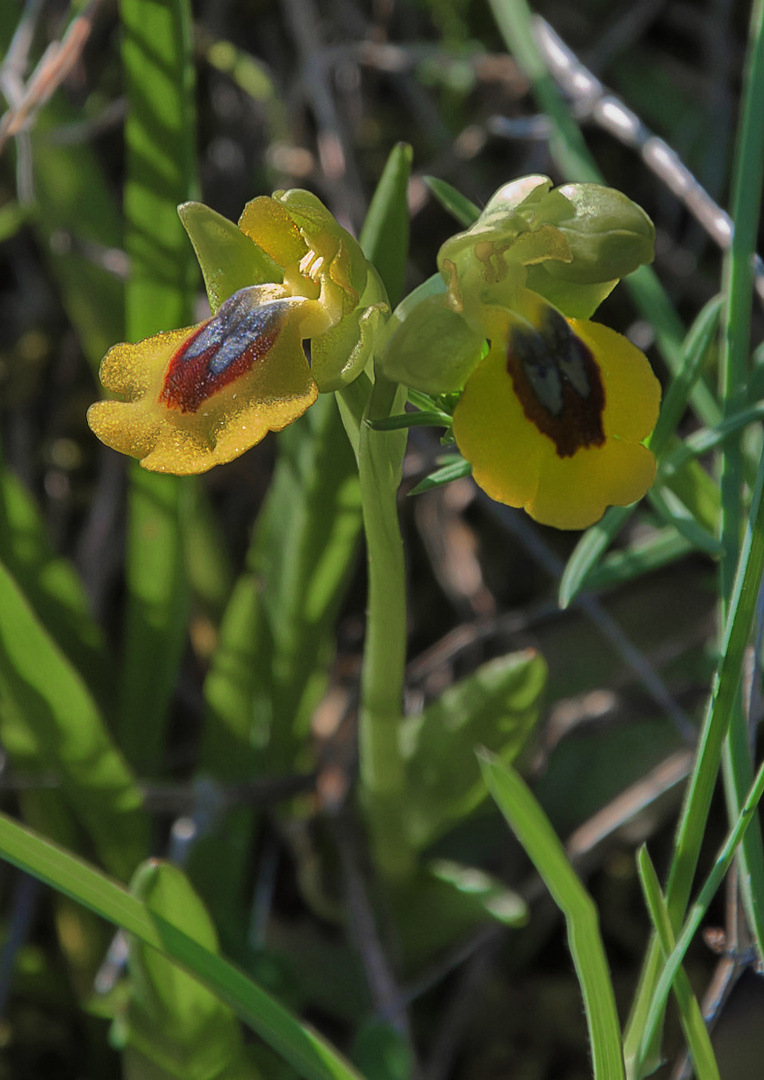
column 201, row 396
column 553, row 408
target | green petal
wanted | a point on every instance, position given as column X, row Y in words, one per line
column 229, row 259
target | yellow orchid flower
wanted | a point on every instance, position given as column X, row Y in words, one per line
column 201, row 396
column 553, row 407
column 553, row 419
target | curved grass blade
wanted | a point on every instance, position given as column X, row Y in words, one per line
column 696, row 915
column 693, row 1024
column 534, row 831
column 306, row 1051
column 458, row 205
column 691, row 827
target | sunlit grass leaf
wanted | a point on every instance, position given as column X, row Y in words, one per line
column 160, row 135
column 310, row 1055
column 454, row 470
column 385, row 234
column 693, row 1024
column 532, row 828
column 496, row 706
column 171, row 1023
column 51, row 726
column 157, row 611
column 458, row 205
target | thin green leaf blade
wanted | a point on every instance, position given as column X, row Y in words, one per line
column 458, row 205
column 385, row 234
column 534, row 831
column 693, row 1024
column 309, row 1054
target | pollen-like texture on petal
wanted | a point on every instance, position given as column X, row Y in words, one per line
column 202, row 396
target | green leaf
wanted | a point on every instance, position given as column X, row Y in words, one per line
column 52, row 587
column 532, row 828
column 433, row 418
column 693, row 1024
column 382, row 1052
column 268, row 672
column 464, row 897
column 497, row 706
column 659, row 549
column 50, row 724
column 309, row 1054
column 157, row 611
column 458, row 205
column 385, row 234
column 160, row 134
column 454, row 470
column 171, row 1021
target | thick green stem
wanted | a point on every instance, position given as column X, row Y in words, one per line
column 382, row 775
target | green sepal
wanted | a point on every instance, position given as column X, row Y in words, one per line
column 427, row 346
column 454, row 469
column 228, row 258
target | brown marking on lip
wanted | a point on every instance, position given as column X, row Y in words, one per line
column 558, row 382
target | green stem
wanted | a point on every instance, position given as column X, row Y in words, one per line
column 382, row 771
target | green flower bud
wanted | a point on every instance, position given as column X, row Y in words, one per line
column 608, row 235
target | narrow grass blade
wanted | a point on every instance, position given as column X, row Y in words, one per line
column 745, row 210
column 454, row 470
column 385, row 234
column 432, row 418
column 693, row 1024
column 664, row 547
column 458, row 205
column 534, row 831
column 691, row 827
column 696, row 915
column 306, row 1051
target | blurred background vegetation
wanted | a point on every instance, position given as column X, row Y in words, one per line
column 315, row 93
